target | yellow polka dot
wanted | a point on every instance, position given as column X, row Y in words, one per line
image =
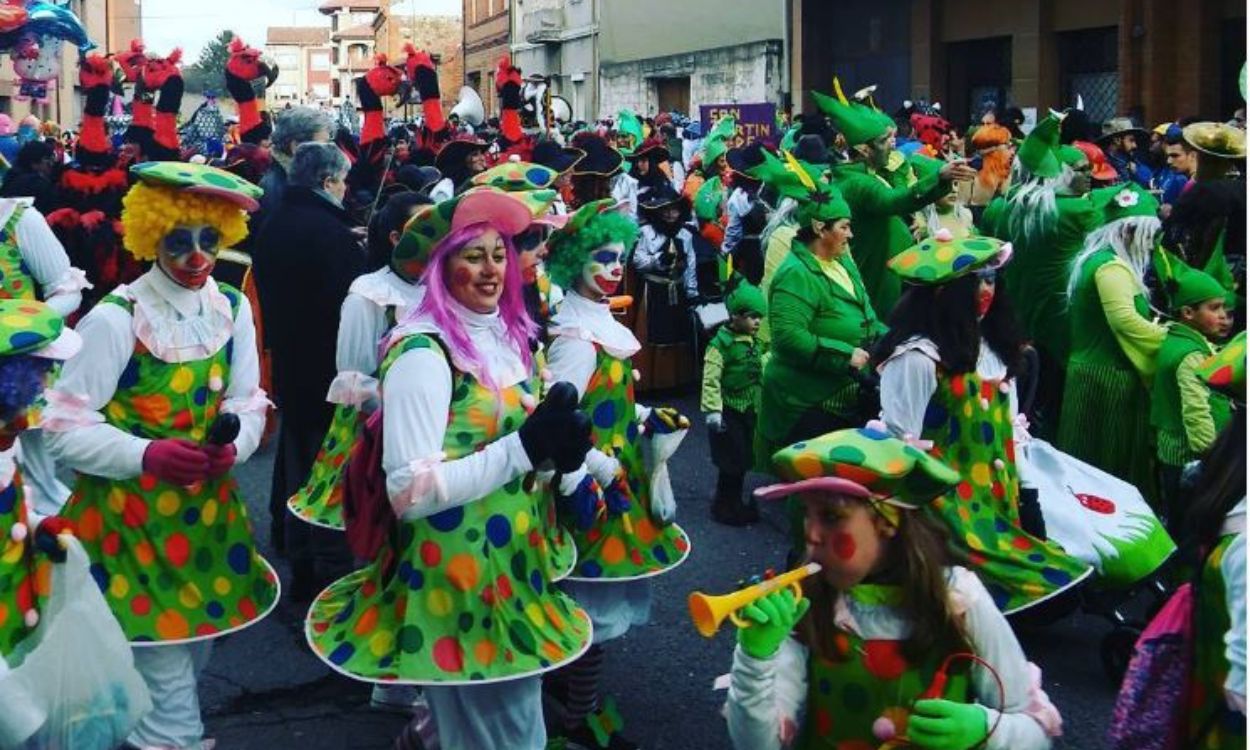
column 438, row 602
column 973, row 541
column 997, row 415
column 535, row 613
column 215, row 372
column 16, row 321
column 117, row 500
column 522, row 522
column 189, row 596
column 221, row 585
column 168, row 503
column 12, row 552
column 116, row 412
column 616, row 371
column 382, row 643
column 944, row 253
column 964, row 514
column 182, row 380
column 208, row 514
column 981, row 474
column 197, row 433
column 118, row 586
column 967, row 409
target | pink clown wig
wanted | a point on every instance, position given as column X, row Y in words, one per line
column 439, row 306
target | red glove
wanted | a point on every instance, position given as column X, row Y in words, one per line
column 220, row 458
column 176, row 461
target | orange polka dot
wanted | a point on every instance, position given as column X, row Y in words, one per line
column 645, row 530
column 4, row 613
column 556, row 620
column 613, row 550
column 367, row 622
column 807, row 465
column 90, row 525
column 144, row 553
column 485, row 652
column 172, row 626
column 43, row 578
column 463, row 572
column 552, row 651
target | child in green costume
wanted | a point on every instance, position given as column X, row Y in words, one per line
column 857, row 668
column 732, row 367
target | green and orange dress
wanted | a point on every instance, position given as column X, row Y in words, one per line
column 24, row 577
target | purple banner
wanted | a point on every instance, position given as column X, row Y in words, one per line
column 755, row 121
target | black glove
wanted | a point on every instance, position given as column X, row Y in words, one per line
column 369, row 100
column 510, row 94
column 171, row 95
column 240, row 89
column 557, row 431
column 97, row 101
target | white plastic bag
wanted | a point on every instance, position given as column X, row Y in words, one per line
column 1098, row 518
column 72, row 684
column 657, row 449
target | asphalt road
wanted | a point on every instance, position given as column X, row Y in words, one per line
column 263, row 689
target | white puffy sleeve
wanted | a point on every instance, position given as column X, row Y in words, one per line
column 60, row 283
column 362, row 324
column 416, row 396
column 1233, row 568
column 764, row 695
column 908, row 381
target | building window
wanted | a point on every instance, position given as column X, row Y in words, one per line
column 320, row 61
column 321, row 90
column 1088, row 69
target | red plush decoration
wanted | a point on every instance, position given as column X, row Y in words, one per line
column 931, row 130
column 421, row 72
column 95, row 75
column 157, row 70
column 508, row 86
column 132, row 60
column 95, row 70
column 382, row 80
column 164, row 75
column 243, row 67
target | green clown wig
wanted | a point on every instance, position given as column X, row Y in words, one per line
column 593, row 225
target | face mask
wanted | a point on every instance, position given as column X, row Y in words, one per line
column 188, row 254
column 605, row 269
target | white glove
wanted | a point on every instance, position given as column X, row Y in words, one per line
column 569, row 482
column 715, row 421
column 602, row 467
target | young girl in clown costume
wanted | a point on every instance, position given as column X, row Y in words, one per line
column 948, row 380
column 896, row 649
column 153, row 503
column 459, row 598
column 618, row 507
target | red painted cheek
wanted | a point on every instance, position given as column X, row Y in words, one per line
column 844, row 546
column 461, row 277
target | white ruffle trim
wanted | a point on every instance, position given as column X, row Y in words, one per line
column 1040, row 707
column 425, row 489
column 385, row 289
column 585, row 320
column 352, row 388
column 173, row 338
column 67, row 411
column 73, row 280
column 257, row 402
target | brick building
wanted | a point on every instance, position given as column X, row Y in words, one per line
column 353, row 29
column 487, row 36
column 305, row 65
column 438, row 35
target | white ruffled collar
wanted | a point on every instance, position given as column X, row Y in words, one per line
column 488, row 334
column 385, row 288
column 585, row 319
column 178, row 324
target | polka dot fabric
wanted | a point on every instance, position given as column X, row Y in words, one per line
column 1226, row 371
column 26, row 326
column 938, row 261
column 200, row 178
column 15, row 279
column 516, row 176
column 631, row 545
column 25, row 578
column 175, row 564
column 320, row 500
column 969, row 422
column 464, row 595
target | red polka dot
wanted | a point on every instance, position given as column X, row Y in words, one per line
column 182, row 420
column 535, row 538
column 141, row 605
column 147, row 482
column 205, row 628
column 1009, row 448
column 681, row 544
column 449, row 655
column 976, row 559
column 884, row 660
column 368, row 588
column 635, row 556
column 958, row 386
column 824, row 723
column 964, row 490
column 594, row 535
column 1022, row 543
column 431, row 555
column 26, row 595
column 504, row 587
column 996, row 489
column 987, row 389
column 247, row 608
column 111, row 544
column 135, row 513
column 177, row 550
column 488, row 595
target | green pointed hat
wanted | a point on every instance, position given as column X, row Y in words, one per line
column 791, row 138
column 943, row 258
column 707, row 200
column 746, row 298
column 1124, row 202
column 515, row 176
column 777, row 172
column 1226, row 371
column 627, row 122
column 1183, row 285
column 725, row 128
column 713, row 149
column 200, row 178
column 1070, row 155
column 818, row 199
column 865, row 462
column 31, row 327
column 1037, row 151
column 859, row 123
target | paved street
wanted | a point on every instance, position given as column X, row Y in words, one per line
column 265, row 691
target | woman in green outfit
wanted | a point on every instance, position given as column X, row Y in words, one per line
column 144, row 416
column 1105, row 420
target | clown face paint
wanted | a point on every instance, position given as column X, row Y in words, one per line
column 604, row 270
column 845, row 536
column 188, row 253
column 986, row 282
column 531, row 247
column 475, row 273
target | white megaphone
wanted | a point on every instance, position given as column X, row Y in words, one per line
column 469, row 107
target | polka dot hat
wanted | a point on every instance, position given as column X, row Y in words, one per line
column 516, row 176
column 200, row 178
column 864, row 462
column 30, row 327
column 943, row 258
column 1226, row 371
column 430, row 224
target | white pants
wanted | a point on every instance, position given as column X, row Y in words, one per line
column 496, row 716
column 613, row 607
column 172, row 674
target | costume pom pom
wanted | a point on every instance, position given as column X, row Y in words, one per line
column 18, row 532
column 31, row 618
column 883, row 729
column 943, row 235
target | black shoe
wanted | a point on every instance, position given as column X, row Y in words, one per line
column 732, row 513
column 304, row 583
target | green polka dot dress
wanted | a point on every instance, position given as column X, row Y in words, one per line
column 464, row 595
column 16, row 281
column 25, row 577
column 1211, row 725
column 320, row 500
column 175, row 564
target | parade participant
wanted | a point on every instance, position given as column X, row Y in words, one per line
column 1216, row 715
column 649, row 164
column 732, row 370
column 626, row 537
column 1119, row 142
column 1185, row 414
column 993, row 145
column 309, row 252
column 1105, row 419
column 459, row 160
column 888, row 643
column 293, row 127
column 880, row 198
column 552, row 155
column 667, row 285
column 141, row 416
column 747, row 215
column 821, row 322
column 948, row 369
column 458, row 452
column 706, row 187
column 1101, row 173
column 593, row 174
column 32, row 176
column 949, row 213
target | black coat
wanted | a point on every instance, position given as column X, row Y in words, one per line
column 304, row 260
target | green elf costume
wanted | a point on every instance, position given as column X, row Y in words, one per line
column 1185, row 413
column 881, row 202
column 969, row 420
column 857, row 687
column 1105, row 419
column 170, row 547
column 1217, row 690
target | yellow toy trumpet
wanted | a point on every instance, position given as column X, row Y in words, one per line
column 708, row 612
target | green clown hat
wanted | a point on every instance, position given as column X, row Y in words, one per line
column 725, row 128
column 200, row 178
column 1071, row 156
column 1226, row 371
column 859, row 123
column 746, row 298
column 1183, row 285
column 943, row 258
column 31, row 327
column 1037, row 151
column 627, row 123
column 515, row 176
column 432, row 223
column 865, row 462
column 1124, row 202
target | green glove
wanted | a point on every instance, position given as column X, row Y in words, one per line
column 946, row 725
column 772, row 618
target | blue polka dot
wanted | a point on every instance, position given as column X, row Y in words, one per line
column 590, row 569
column 536, row 581
column 346, row 614
column 498, row 530
column 1000, row 526
column 24, row 340
column 987, row 433
column 201, row 395
column 191, row 516
column 214, row 610
column 955, row 431
column 8, row 499
column 660, row 553
column 100, row 575
column 448, row 520
column 130, row 376
column 239, row 558
column 1037, row 557
column 1056, row 576
column 342, row 653
column 962, row 261
column 935, row 416
column 631, row 432
column 540, row 177
column 605, row 415
column 872, row 434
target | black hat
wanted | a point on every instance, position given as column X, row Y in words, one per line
column 742, row 160
column 417, row 179
column 552, row 155
column 811, row 149
column 652, row 146
column 456, row 150
column 662, row 196
column 600, row 159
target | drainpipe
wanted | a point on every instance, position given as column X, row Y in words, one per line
column 785, row 54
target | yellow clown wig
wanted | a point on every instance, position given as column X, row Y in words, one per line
column 149, row 212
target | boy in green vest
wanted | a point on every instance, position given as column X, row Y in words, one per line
column 1186, row 413
column 731, row 391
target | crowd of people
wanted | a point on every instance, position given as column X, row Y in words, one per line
column 991, row 370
